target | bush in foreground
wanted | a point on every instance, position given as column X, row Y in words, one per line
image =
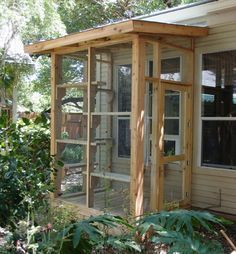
column 25, row 167
column 180, row 231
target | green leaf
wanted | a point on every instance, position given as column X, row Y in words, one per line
column 77, row 236
column 26, row 121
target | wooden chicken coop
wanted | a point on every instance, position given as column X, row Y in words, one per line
column 127, row 144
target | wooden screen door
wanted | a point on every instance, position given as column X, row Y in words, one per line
column 175, row 144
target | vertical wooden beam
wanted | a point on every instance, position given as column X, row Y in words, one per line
column 56, row 96
column 189, row 77
column 137, row 126
column 110, row 102
column 54, row 68
column 89, row 167
column 157, row 170
column 85, row 109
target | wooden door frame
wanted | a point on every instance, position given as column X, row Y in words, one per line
column 187, row 132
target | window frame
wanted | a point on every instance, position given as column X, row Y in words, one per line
column 197, row 132
column 209, row 118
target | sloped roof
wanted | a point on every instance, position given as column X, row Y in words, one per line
column 108, row 32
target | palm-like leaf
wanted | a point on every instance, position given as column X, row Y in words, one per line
column 90, row 232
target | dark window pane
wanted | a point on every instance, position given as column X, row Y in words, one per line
column 219, row 84
column 219, row 143
column 124, row 138
column 169, row 147
column 150, row 92
column 172, row 104
column 171, row 127
column 124, row 88
column 150, row 71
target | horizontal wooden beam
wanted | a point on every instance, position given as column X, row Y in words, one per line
column 175, row 46
column 74, row 165
column 174, row 158
column 80, row 85
column 151, row 79
column 163, row 42
column 174, row 82
column 175, row 86
column 166, row 82
column 113, row 113
column 111, row 176
column 85, row 36
column 141, row 26
column 83, row 142
column 102, row 35
column 81, row 209
column 72, row 141
column 106, row 42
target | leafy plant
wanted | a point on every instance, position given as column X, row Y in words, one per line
column 94, row 234
column 25, row 167
column 177, row 231
column 181, row 230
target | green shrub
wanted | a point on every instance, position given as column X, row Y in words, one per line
column 25, row 167
column 95, row 235
column 180, row 231
column 183, row 231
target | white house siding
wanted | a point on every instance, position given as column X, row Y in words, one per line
column 212, row 188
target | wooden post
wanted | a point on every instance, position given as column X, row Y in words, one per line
column 56, row 96
column 189, row 78
column 90, row 103
column 137, row 126
column 84, row 127
column 54, row 67
column 156, row 200
column 109, row 58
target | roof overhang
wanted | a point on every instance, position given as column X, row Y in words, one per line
column 116, row 30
